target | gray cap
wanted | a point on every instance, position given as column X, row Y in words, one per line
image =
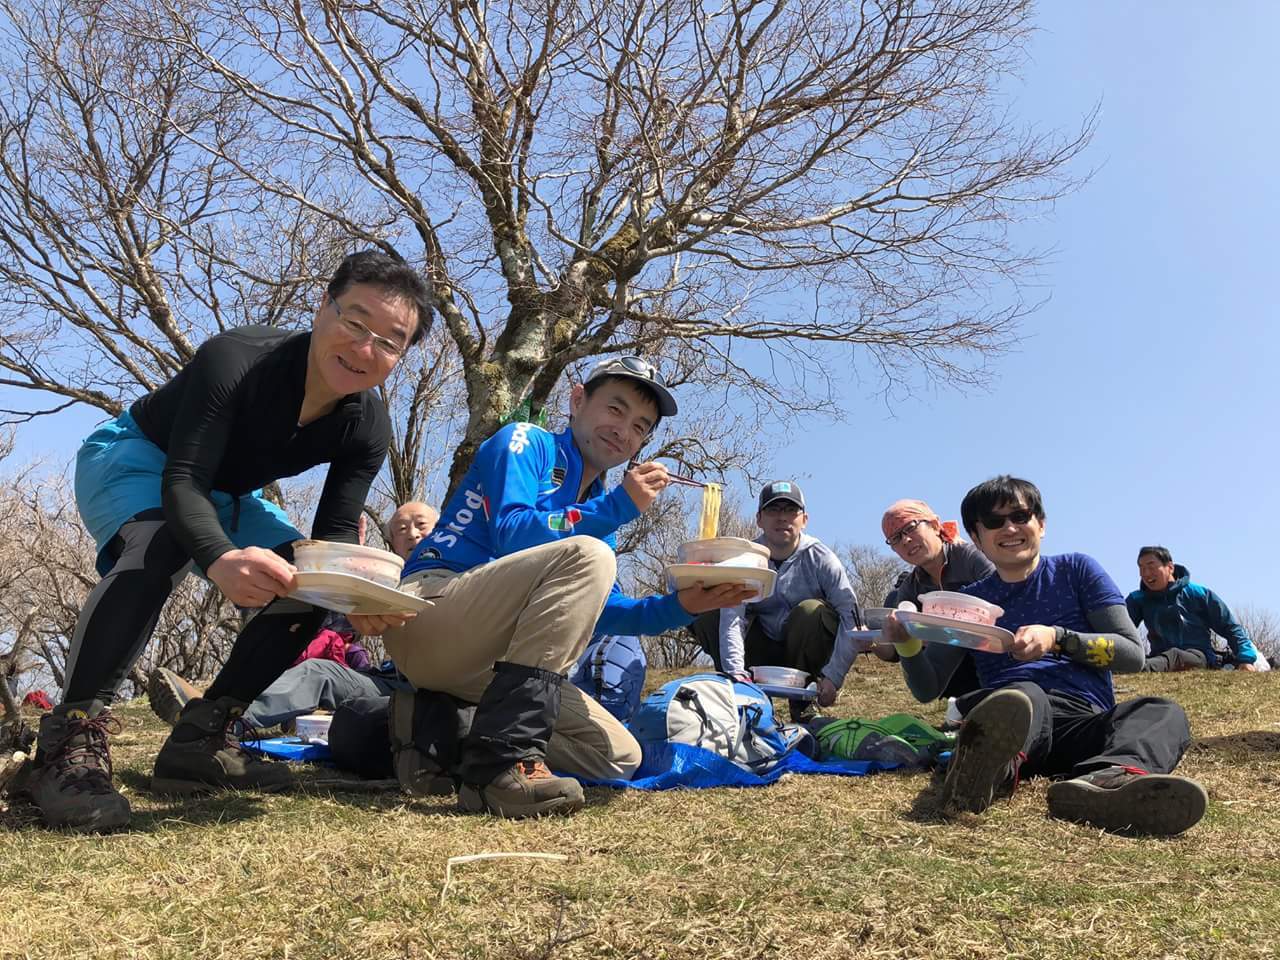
column 781, row 490
column 641, row 371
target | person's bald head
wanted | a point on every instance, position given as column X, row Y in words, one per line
column 410, row 523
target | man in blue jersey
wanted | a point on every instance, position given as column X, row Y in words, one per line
column 521, row 572
column 1047, row 706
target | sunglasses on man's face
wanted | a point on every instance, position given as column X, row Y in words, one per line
column 996, row 521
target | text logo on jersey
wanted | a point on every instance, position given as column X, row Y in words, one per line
column 472, row 501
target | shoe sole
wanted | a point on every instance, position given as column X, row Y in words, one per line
column 990, row 738
column 166, row 697
column 1155, row 805
column 472, row 800
column 168, row 787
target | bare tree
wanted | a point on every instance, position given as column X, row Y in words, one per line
column 1263, row 627
column 872, row 572
column 721, row 186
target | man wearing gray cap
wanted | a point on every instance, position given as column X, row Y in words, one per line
column 807, row 623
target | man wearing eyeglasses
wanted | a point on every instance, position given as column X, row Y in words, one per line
column 174, row 482
column 521, row 572
column 1047, row 706
column 806, row 623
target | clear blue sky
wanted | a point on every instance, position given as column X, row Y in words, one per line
column 1142, row 399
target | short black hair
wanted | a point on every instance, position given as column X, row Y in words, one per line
column 1160, row 553
column 990, row 494
column 591, row 386
column 391, row 274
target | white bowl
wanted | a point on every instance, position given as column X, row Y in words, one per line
column 874, row 617
column 960, row 606
column 322, row 556
column 312, row 726
column 725, row 552
column 779, row 676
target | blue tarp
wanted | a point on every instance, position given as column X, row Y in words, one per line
column 667, row 766
column 289, row 748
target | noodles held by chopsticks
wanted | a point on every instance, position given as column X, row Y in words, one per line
column 709, row 522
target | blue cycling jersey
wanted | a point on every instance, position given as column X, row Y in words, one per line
column 522, row 492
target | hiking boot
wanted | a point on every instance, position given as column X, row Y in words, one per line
column 70, row 778
column 203, row 753
column 527, row 789
column 419, row 773
column 169, row 693
column 1129, row 800
column 803, row 711
column 988, row 754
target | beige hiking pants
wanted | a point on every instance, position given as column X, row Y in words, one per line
column 537, row 607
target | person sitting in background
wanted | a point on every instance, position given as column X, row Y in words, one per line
column 940, row 560
column 1182, row 617
column 807, row 623
column 1047, row 707
column 333, row 670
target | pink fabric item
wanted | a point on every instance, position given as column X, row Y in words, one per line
column 325, row 645
column 902, row 512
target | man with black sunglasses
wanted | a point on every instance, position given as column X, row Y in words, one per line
column 1047, row 707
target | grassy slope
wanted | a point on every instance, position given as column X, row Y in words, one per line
column 811, row 867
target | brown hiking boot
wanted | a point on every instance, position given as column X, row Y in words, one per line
column 527, row 789
column 988, row 752
column 1130, row 800
column 70, row 778
column 418, row 772
column 169, row 693
column 203, row 753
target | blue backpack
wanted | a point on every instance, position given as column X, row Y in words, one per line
column 727, row 717
column 611, row 670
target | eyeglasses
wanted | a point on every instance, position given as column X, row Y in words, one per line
column 904, row 531
column 789, row 507
column 995, row 521
column 358, row 333
column 633, row 365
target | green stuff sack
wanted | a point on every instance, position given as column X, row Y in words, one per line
column 918, row 733
column 855, row 739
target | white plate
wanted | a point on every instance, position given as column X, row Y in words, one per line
column 956, row 633
column 347, row 593
column 681, row 575
column 790, row 693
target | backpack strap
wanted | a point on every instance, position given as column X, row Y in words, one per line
column 598, row 661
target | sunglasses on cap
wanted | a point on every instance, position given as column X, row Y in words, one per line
column 995, row 521
column 632, row 365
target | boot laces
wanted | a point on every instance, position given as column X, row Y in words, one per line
column 85, row 753
column 237, row 731
column 535, row 770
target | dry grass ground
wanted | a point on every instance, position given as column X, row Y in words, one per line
column 812, row 867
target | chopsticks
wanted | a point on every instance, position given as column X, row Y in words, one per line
column 674, row 478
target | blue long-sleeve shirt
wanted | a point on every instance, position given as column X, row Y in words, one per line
column 522, row 492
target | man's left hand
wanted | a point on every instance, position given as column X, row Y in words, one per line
column 375, row 624
column 826, row 692
column 699, row 599
column 1033, row 641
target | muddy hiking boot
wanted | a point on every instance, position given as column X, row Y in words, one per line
column 168, row 693
column 988, row 752
column 527, row 789
column 1129, row 800
column 203, row 753
column 70, row 778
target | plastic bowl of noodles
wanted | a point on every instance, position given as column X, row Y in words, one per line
column 874, row 617
column 726, row 552
column 322, row 556
column 779, row 676
column 960, row 606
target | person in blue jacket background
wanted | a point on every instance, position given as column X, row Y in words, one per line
column 521, row 572
column 1182, row 616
